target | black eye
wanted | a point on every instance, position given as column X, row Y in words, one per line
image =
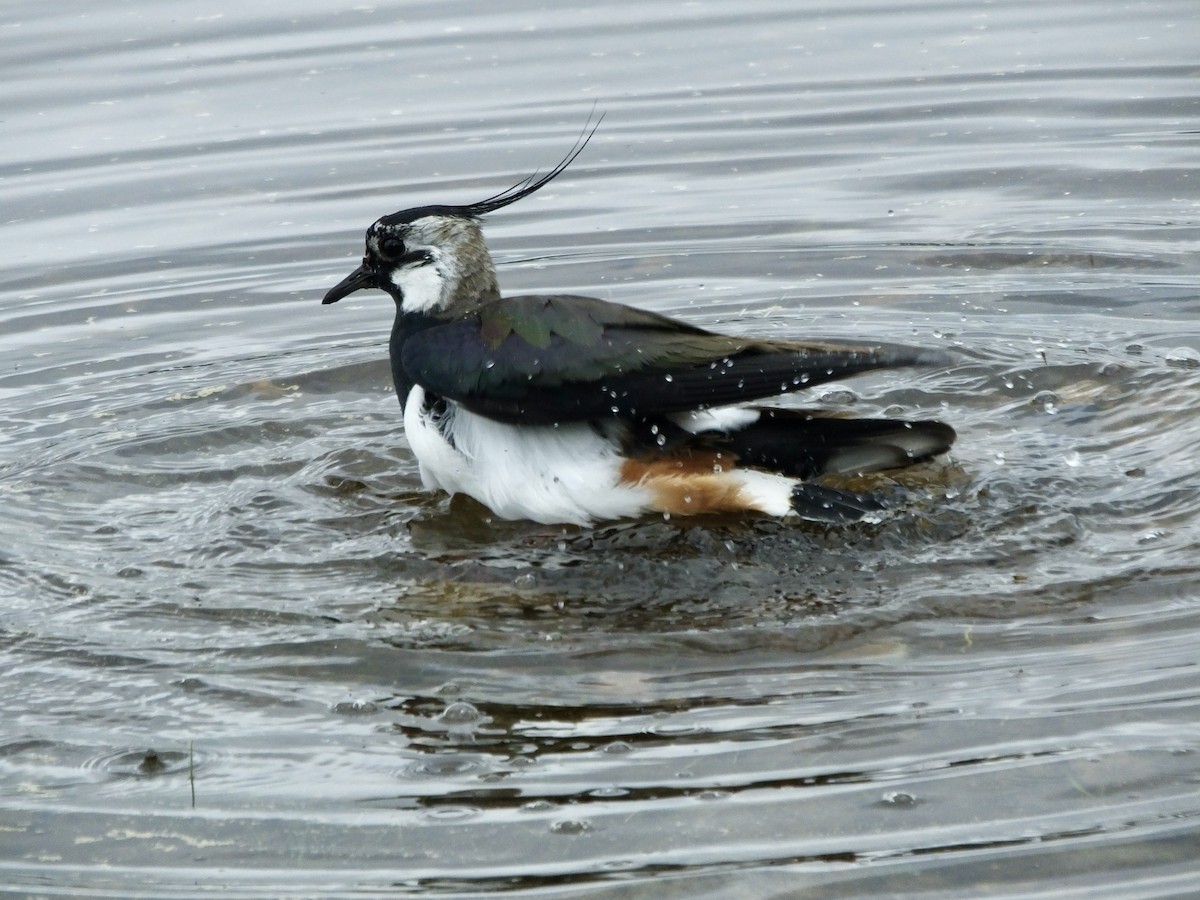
column 391, row 247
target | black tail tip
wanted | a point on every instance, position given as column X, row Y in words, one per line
column 823, row 504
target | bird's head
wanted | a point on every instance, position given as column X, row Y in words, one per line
column 433, row 259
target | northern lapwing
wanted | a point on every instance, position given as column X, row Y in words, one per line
column 569, row 409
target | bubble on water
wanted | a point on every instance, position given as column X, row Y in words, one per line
column 357, row 707
column 460, row 713
column 444, row 766
column 899, row 799
column 452, row 813
column 1046, row 401
column 1183, row 358
column 617, row 747
column 611, row 791
column 571, row 827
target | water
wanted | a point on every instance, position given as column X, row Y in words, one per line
column 245, row 654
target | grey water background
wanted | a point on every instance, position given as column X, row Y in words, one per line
column 243, row 654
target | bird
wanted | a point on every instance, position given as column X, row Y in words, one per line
column 562, row 409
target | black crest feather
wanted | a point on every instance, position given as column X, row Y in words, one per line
column 512, row 194
column 533, row 183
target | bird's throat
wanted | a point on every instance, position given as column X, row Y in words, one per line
column 404, row 326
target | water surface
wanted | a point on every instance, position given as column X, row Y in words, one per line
column 243, row 651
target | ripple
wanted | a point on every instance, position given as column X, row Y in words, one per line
column 214, row 530
column 146, row 763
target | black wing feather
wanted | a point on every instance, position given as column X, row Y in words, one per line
column 541, row 360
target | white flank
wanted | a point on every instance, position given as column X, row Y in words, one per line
column 542, row 473
column 720, row 418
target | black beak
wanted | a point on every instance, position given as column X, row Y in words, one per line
column 360, row 278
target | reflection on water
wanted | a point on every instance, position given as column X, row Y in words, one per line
column 244, row 650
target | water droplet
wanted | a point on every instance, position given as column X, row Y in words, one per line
column 668, row 378
column 489, row 364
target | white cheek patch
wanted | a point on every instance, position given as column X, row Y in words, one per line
column 421, row 287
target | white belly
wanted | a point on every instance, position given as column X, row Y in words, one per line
column 547, row 474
